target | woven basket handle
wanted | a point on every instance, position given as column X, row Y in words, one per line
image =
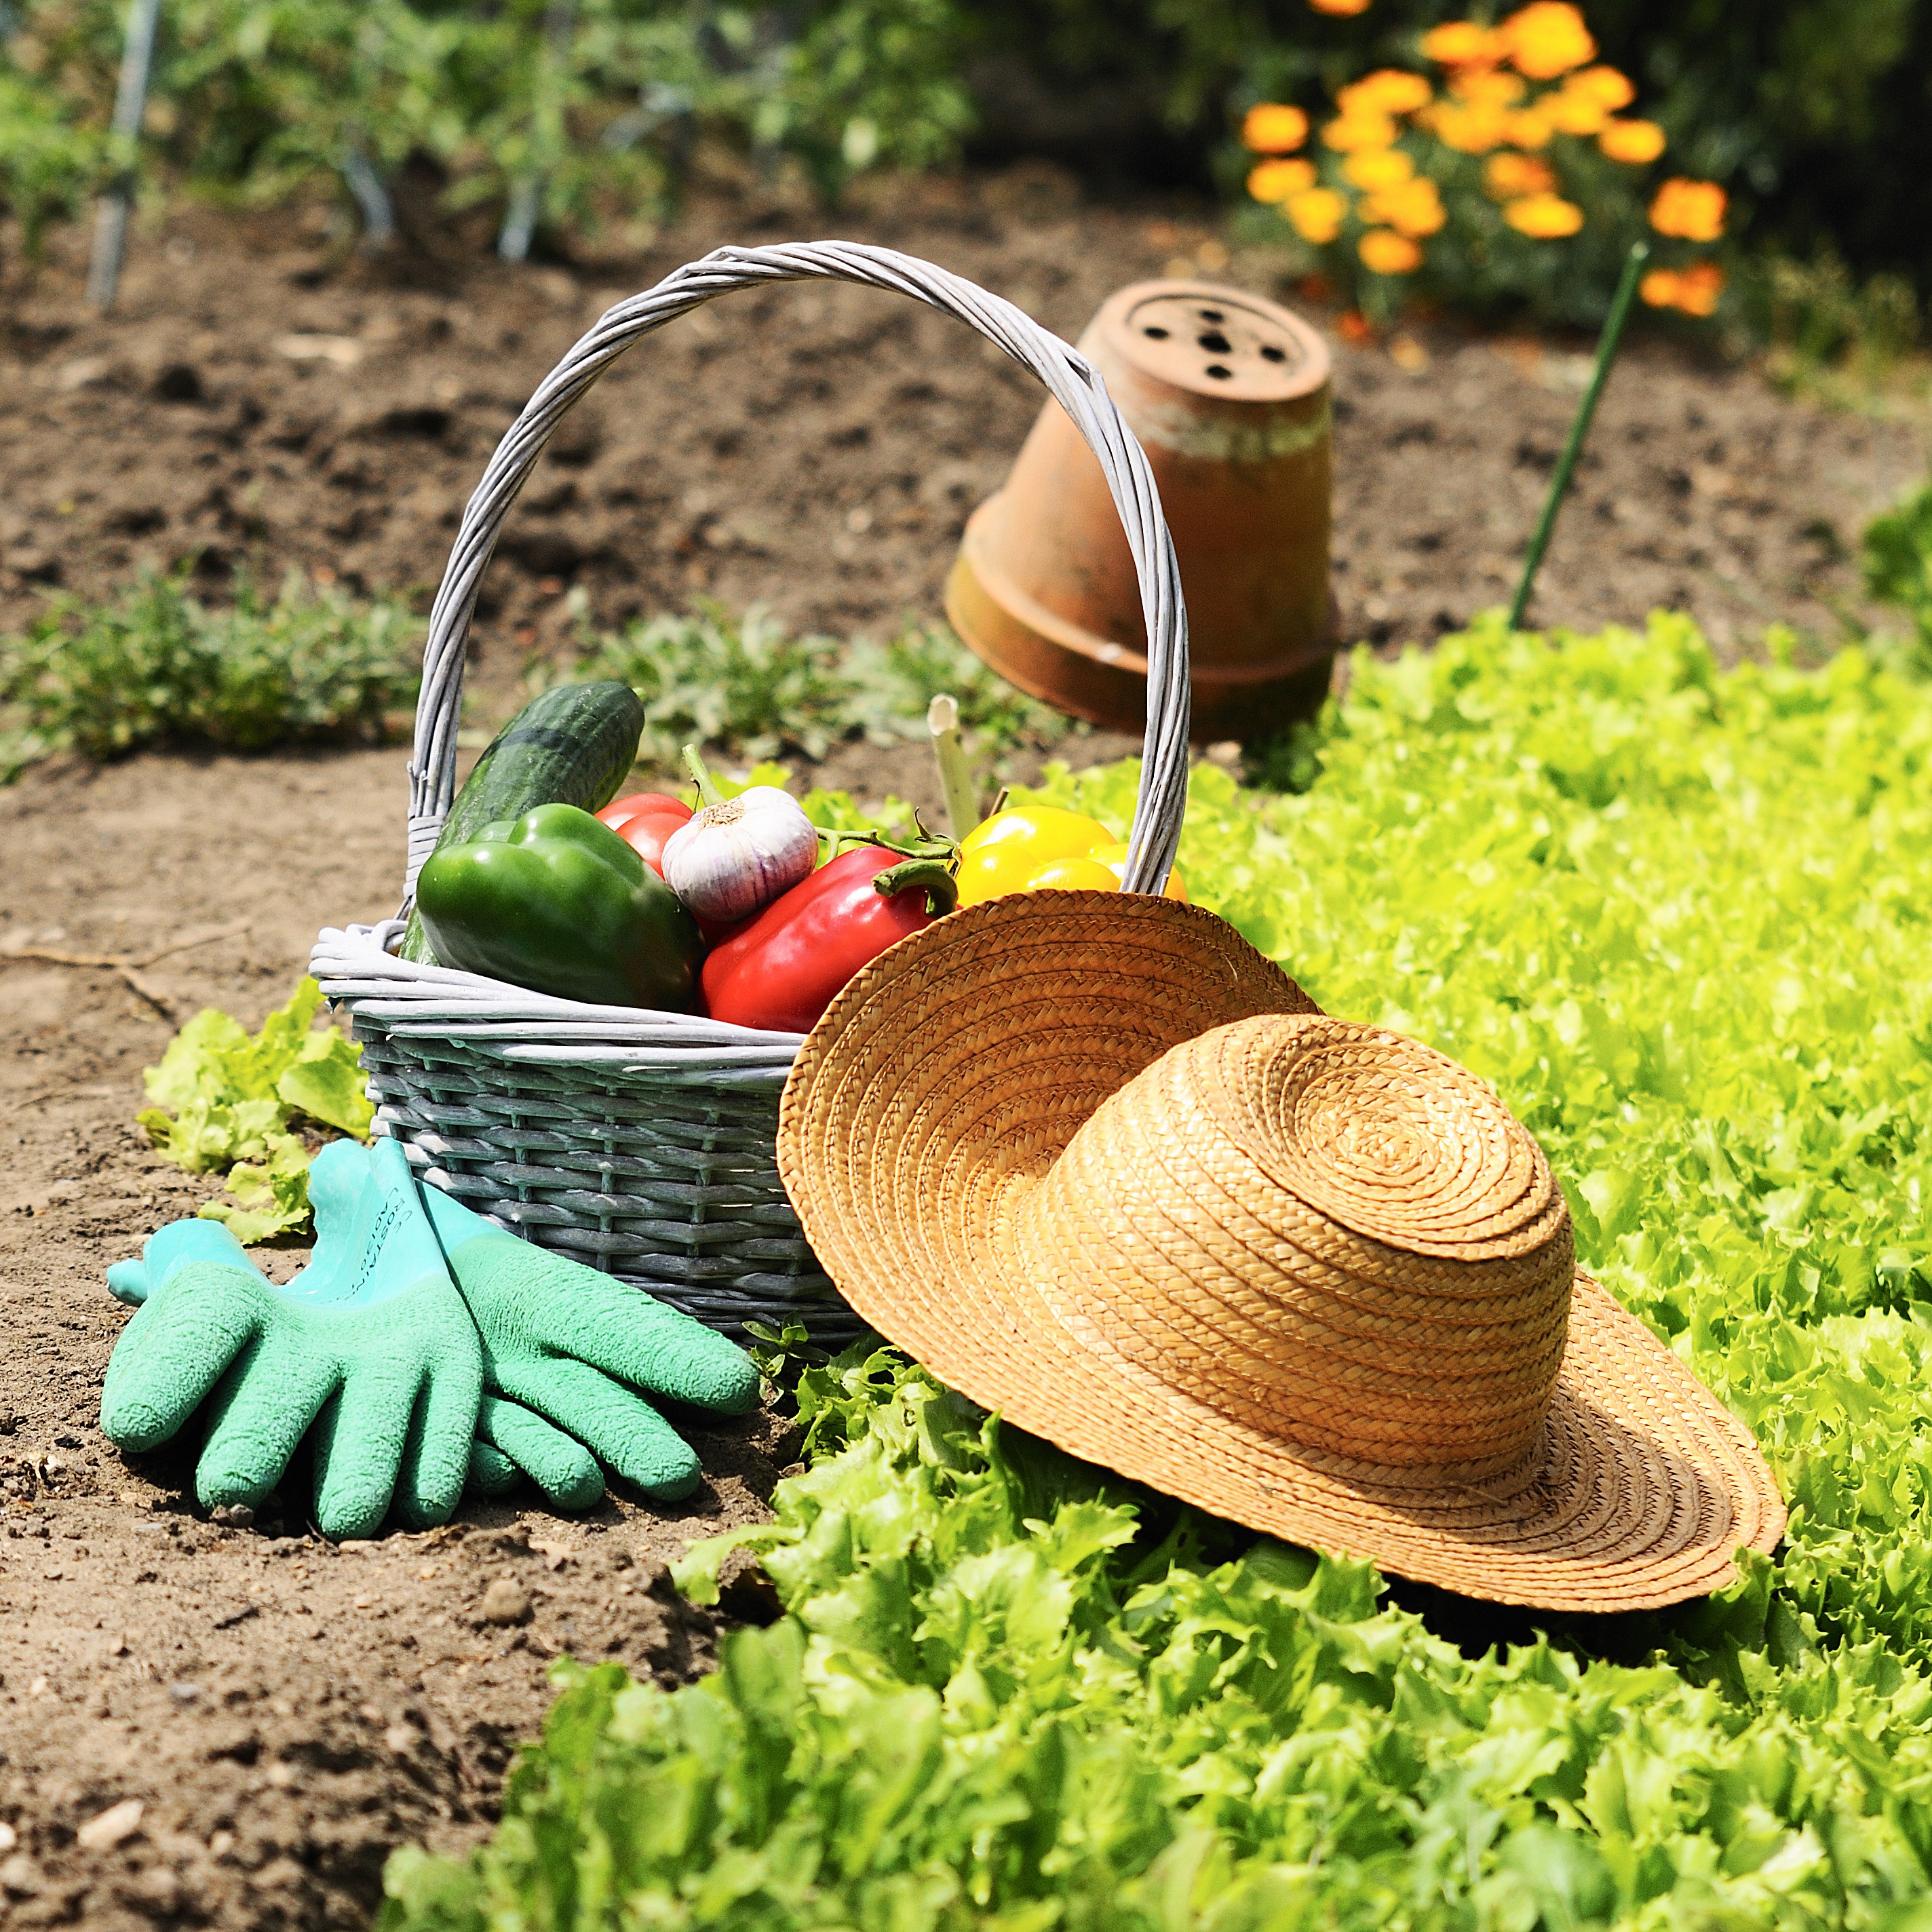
column 1074, row 384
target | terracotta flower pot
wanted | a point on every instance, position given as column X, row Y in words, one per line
column 1229, row 395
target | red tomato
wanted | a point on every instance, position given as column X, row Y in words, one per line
column 644, row 820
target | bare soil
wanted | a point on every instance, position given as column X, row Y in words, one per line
column 203, row 1724
column 256, row 401
column 284, row 1711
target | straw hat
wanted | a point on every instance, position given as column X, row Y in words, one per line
column 1100, row 1165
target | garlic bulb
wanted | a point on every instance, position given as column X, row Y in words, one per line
column 733, row 858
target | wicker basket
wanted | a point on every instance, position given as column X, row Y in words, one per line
column 643, row 1142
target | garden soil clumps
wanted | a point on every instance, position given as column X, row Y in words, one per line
column 258, row 402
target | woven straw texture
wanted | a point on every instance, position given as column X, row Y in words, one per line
column 1098, row 1165
column 643, row 1142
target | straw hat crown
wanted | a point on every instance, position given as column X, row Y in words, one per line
column 1330, row 1232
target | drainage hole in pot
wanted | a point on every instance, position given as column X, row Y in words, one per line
column 1210, row 315
column 1215, row 341
column 1219, row 371
column 1270, row 353
column 1158, row 335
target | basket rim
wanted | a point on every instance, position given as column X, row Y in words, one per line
column 354, row 969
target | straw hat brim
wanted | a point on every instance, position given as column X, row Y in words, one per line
column 941, row 1084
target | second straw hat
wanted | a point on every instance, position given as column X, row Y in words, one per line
column 1098, row 1164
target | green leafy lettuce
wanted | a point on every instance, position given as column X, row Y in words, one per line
column 227, row 1100
column 1680, row 917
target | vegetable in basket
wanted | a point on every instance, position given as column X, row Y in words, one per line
column 738, row 855
column 644, row 820
column 573, row 746
column 782, row 970
column 555, row 901
column 1035, row 847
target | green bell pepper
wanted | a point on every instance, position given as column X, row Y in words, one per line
column 556, row 902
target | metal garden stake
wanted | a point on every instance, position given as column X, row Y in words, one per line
column 131, row 97
column 1580, row 428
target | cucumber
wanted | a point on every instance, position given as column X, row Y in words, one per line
column 574, row 745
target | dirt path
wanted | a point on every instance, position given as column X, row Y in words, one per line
column 281, row 1712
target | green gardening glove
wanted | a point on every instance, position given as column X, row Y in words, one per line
column 575, row 1346
column 370, row 1347
column 509, row 1443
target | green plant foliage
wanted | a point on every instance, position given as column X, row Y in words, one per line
column 747, row 686
column 48, row 159
column 225, row 1099
column 160, row 664
column 1680, row 916
column 1897, row 563
column 256, row 97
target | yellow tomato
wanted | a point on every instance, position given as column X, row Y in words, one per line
column 1002, row 854
column 1037, row 848
column 1072, row 875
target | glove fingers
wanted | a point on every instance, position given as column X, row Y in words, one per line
column 360, row 1437
column 562, row 1307
column 175, row 1349
column 436, row 1458
column 560, row 1466
column 491, row 1472
column 261, row 1410
column 627, row 1433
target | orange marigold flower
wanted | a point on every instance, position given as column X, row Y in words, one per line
column 1506, row 175
column 1547, row 38
column 1341, row 9
column 1415, row 208
column 1695, row 290
column 1660, row 287
column 1571, row 113
column 1276, row 180
column 1463, row 43
column 1273, row 127
column 1484, row 86
column 1389, row 90
column 1529, row 128
column 1349, row 132
column 1698, row 288
column 1317, row 214
column 1469, row 131
column 1693, row 211
column 1635, row 141
column 1603, row 84
column 1378, row 167
column 1389, row 254
column 1547, row 217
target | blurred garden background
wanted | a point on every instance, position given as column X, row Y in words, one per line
column 1495, row 160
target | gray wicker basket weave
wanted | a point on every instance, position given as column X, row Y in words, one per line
column 643, row 1142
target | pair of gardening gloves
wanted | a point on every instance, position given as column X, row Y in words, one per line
column 422, row 1350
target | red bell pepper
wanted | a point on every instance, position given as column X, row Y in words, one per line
column 643, row 821
column 781, row 969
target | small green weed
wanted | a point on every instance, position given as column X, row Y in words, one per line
column 158, row 663
column 745, row 686
column 227, row 1101
column 1831, row 338
column 1897, row 560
